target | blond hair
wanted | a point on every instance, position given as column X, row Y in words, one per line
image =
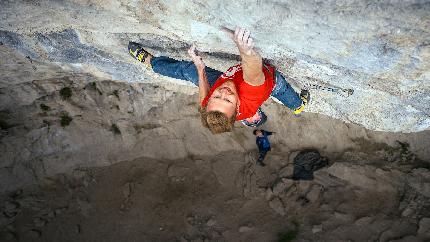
column 216, row 121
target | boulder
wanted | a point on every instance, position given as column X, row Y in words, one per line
column 277, row 206
column 424, row 227
column 365, row 177
column 282, row 186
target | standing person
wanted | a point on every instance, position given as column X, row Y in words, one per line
column 236, row 94
column 263, row 144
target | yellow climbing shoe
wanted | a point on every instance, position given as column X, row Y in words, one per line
column 305, row 97
column 136, row 50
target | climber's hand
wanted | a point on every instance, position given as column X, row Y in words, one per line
column 241, row 37
column 198, row 61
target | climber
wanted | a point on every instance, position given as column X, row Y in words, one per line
column 263, row 144
column 236, row 94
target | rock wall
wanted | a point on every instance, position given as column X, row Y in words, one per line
column 380, row 50
column 88, row 135
column 55, row 118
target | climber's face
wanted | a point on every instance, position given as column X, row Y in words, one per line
column 224, row 99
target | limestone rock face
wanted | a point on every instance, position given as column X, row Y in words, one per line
column 380, row 50
column 98, row 123
column 88, row 134
column 56, row 117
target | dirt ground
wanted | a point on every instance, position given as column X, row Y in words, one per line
column 221, row 198
column 146, row 200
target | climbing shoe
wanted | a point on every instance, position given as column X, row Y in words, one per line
column 305, row 97
column 136, row 50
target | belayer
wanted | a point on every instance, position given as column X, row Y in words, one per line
column 263, row 144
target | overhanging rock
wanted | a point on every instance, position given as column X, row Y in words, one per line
column 379, row 50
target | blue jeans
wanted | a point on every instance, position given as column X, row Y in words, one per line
column 186, row 70
column 261, row 155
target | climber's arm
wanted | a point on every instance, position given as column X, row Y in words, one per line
column 200, row 66
column 203, row 85
column 252, row 63
column 268, row 132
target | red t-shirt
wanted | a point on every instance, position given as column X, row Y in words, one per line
column 251, row 97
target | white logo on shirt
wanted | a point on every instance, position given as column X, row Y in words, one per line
column 231, row 71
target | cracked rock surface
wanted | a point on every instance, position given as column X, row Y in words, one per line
column 380, row 50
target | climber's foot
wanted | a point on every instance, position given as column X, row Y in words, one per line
column 305, row 96
column 136, row 50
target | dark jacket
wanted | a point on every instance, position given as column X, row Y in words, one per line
column 263, row 142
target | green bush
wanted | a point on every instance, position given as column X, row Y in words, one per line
column 44, row 107
column 66, row 93
column 93, row 85
column 65, row 119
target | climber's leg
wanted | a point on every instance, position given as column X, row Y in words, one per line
column 287, row 96
column 183, row 70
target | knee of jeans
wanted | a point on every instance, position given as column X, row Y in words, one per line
column 191, row 77
column 280, row 82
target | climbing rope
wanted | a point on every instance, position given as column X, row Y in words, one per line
column 344, row 92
